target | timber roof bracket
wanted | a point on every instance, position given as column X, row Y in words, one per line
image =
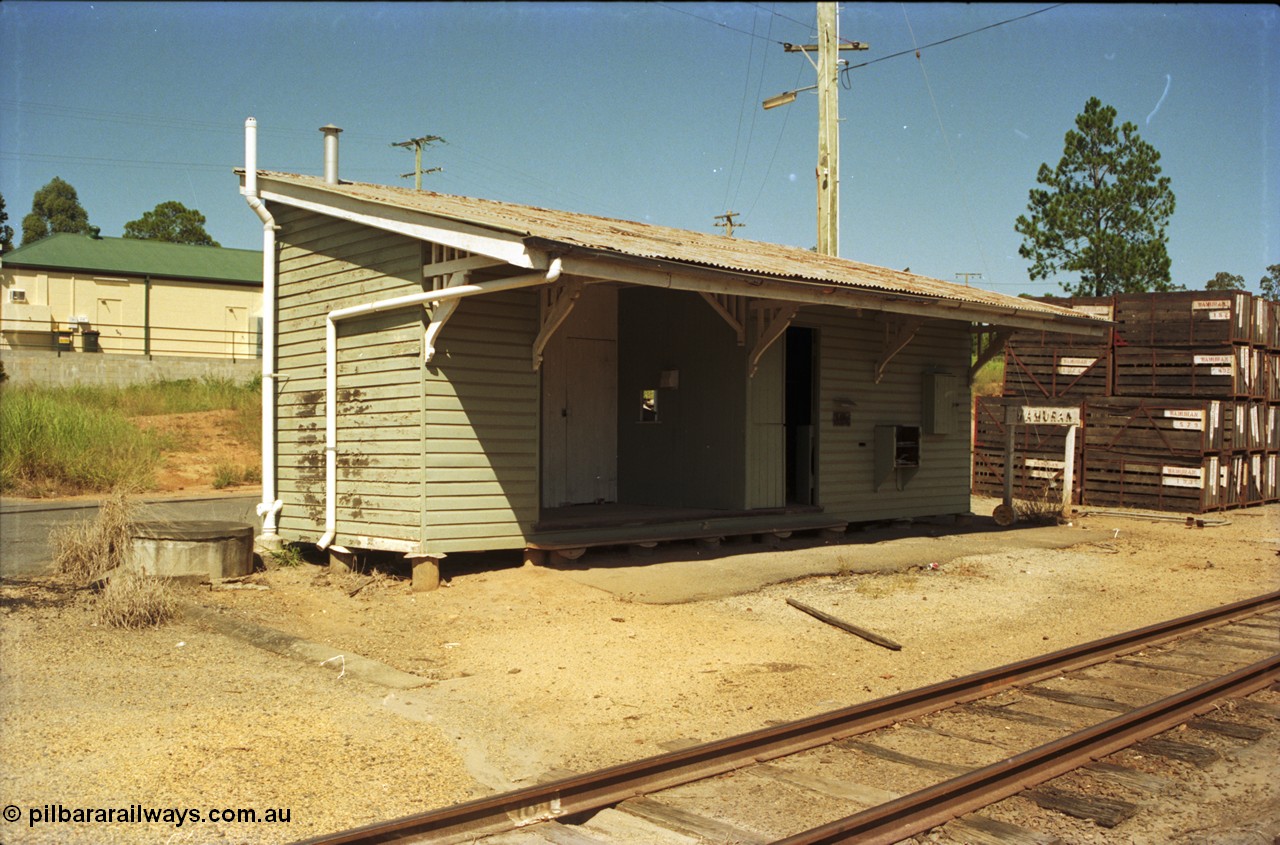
column 898, row 332
column 732, row 309
column 440, row 314
column 557, row 302
column 772, row 319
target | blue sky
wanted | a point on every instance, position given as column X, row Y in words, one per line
column 651, row 111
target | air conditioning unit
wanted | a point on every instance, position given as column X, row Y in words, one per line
column 17, row 295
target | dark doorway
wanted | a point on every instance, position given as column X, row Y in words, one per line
column 801, row 432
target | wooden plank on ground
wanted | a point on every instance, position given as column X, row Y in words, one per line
column 1125, row 776
column 904, row 759
column 869, row 636
column 683, row 821
column 1023, row 716
column 1096, row 702
column 868, row 796
column 1186, row 752
column 1231, row 729
column 1107, row 812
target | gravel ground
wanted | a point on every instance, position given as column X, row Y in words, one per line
column 529, row 671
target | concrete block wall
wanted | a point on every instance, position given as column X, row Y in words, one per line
column 50, row 369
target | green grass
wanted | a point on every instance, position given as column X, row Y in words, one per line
column 59, row 441
column 989, row 380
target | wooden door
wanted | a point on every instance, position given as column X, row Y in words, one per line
column 580, row 405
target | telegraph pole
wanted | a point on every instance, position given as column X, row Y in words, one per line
column 418, row 144
column 968, row 276
column 828, row 170
column 728, row 225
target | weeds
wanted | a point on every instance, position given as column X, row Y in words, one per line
column 1044, row 506
column 131, row 600
column 230, row 475
column 287, row 556
column 83, row 439
column 92, row 549
column 87, row 550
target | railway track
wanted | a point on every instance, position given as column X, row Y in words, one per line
column 893, row 768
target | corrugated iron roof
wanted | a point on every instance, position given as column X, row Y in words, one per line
column 137, row 257
column 644, row 240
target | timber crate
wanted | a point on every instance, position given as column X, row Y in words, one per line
column 1038, row 451
column 1184, row 427
column 1266, row 323
column 1037, row 373
column 1250, row 426
column 1270, row 390
column 1211, row 372
column 1177, row 484
column 1191, row 318
column 1250, row 479
column 1037, row 477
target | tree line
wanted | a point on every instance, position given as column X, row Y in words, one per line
column 56, row 208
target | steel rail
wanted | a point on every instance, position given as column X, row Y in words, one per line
column 928, row 808
column 606, row 787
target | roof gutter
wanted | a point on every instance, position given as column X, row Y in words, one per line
column 270, row 505
column 433, row 297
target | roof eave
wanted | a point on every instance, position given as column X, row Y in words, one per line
column 676, row 275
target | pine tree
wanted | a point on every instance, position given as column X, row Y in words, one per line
column 1102, row 211
column 172, row 222
column 54, row 208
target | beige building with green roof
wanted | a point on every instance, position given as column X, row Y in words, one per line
column 123, row 296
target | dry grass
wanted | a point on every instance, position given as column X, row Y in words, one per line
column 131, row 600
column 878, row 586
column 1044, row 507
column 86, row 550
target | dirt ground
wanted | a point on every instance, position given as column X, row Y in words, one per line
column 528, row 671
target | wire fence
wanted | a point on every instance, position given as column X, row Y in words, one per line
column 236, row 343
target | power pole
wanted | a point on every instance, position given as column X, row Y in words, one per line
column 418, row 144
column 728, row 225
column 968, row 276
column 828, row 170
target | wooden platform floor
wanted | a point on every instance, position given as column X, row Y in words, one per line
column 583, row 526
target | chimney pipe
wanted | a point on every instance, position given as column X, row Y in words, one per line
column 330, row 153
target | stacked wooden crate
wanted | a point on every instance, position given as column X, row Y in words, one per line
column 1179, row 409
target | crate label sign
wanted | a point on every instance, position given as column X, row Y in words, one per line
column 1044, row 467
column 1211, row 305
column 1075, row 366
column 1185, row 419
column 1182, row 477
column 1049, row 416
column 1103, row 311
column 1219, row 315
column 1219, row 371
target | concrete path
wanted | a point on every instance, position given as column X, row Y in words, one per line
column 685, row 574
column 25, row 525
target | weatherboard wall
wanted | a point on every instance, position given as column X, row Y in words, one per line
column 849, row 346
column 326, row 264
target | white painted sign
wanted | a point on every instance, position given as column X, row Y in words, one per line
column 1210, row 304
column 1212, row 359
column 1182, row 477
column 1049, row 416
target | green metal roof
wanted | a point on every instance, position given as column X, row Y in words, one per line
column 134, row 257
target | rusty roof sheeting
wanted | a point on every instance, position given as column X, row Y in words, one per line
column 644, row 240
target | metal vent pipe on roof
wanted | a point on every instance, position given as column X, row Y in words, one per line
column 330, row 153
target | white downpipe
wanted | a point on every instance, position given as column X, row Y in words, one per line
column 270, row 505
column 331, row 366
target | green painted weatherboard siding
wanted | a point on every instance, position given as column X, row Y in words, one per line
column 849, row 346
column 480, row 396
column 135, row 257
column 327, row 264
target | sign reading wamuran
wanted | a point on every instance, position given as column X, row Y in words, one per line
column 1049, row 416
